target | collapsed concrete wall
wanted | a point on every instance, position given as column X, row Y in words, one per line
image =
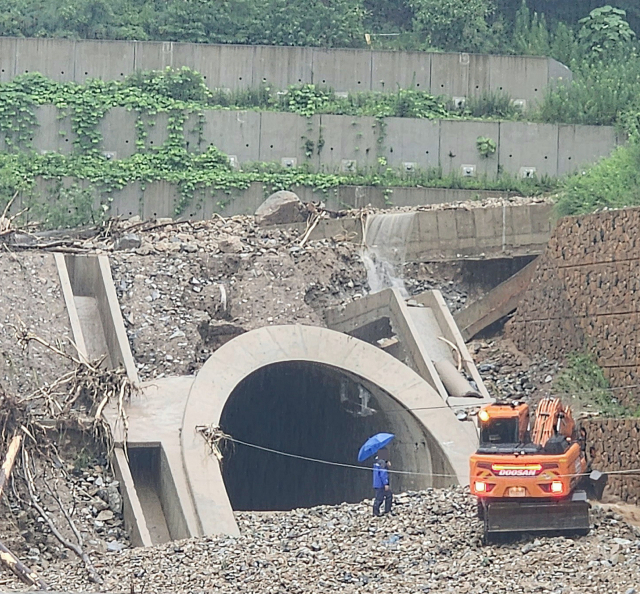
column 617, row 447
column 585, row 295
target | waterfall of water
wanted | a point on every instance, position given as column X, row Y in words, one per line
column 386, row 238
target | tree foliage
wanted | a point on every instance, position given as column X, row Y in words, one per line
column 605, row 33
column 453, row 25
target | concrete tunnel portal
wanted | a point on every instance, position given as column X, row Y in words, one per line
column 305, row 390
column 315, row 411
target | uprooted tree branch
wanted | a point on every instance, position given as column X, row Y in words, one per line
column 76, row 401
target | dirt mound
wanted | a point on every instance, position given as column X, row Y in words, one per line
column 183, row 296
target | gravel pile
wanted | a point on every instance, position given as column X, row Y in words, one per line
column 466, row 205
column 510, row 374
column 31, row 296
column 431, row 544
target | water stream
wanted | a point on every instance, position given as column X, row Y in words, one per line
column 385, row 249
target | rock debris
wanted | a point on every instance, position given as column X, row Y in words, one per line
column 431, row 544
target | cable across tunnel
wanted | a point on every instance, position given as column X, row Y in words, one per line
column 317, row 411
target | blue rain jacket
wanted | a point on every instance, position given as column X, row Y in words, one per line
column 380, row 474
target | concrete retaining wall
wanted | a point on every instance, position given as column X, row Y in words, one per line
column 337, row 143
column 617, row 447
column 241, row 66
column 510, row 230
column 160, row 199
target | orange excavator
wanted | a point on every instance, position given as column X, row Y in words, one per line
column 532, row 477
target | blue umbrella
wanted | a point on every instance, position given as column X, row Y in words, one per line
column 373, row 444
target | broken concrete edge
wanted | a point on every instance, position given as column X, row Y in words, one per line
column 436, row 302
column 496, row 304
column 408, row 332
column 134, row 519
column 387, row 303
column 353, row 315
column 70, row 305
column 229, row 365
column 111, row 313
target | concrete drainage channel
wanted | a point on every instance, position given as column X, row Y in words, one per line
column 99, row 333
column 290, row 388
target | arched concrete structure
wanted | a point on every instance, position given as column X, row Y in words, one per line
column 449, row 443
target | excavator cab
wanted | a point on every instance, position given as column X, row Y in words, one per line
column 499, row 432
column 503, row 427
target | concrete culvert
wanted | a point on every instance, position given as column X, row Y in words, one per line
column 316, row 411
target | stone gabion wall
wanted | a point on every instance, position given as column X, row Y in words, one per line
column 617, row 447
column 585, row 295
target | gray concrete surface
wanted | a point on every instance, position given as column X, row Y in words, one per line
column 154, row 422
column 325, row 142
column 419, row 325
column 92, row 329
column 499, row 231
column 239, row 67
column 90, row 276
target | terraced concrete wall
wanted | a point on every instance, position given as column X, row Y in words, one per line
column 585, row 294
column 341, row 143
column 240, row 66
column 617, row 447
column 445, row 233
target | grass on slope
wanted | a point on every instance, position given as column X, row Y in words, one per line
column 613, row 182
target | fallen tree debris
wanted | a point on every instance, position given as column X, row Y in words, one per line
column 75, row 402
column 9, row 559
column 76, row 547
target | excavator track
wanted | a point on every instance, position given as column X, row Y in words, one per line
column 534, row 515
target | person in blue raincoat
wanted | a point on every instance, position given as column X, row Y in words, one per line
column 381, row 466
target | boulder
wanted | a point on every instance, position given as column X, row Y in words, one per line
column 230, row 245
column 280, row 208
column 129, row 241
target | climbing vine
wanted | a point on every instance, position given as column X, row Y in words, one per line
column 180, row 97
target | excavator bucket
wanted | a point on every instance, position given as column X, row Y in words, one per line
column 528, row 515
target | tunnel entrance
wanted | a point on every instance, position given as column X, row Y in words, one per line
column 316, row 411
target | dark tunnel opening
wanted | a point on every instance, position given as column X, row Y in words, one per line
column 320, row 412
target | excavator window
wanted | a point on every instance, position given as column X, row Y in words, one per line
column 499, row 431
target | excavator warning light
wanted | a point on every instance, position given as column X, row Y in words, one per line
column 481, row 486
column 557, row 487
column 483, row 415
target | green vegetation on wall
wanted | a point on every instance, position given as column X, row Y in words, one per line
column 611, row 183
column 182, row 95
column 597, row 42
column 584, row 380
